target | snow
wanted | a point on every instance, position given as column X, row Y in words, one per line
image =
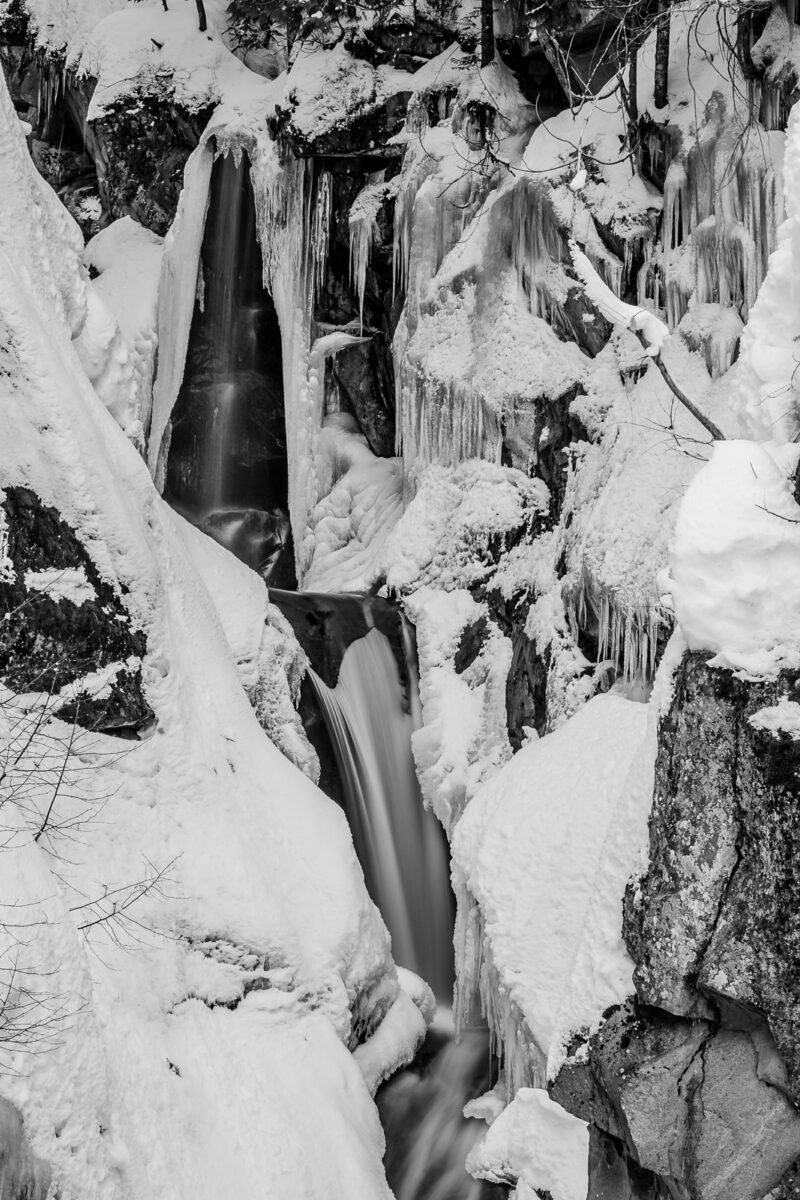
column 174, row 1075
column 61, row 583
column 535, row 1143
column 736, row 559
column 546, row 848
column 783, row 717
column 458, row 522
column 362, row 499
column 143, row 50
column 639, row 320
column 127, row 258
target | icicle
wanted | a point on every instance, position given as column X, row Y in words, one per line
column 363, row 225
column 511, row 1038
column 320, row 234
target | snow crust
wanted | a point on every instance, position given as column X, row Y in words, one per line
column 736, row 559
column 546, row 848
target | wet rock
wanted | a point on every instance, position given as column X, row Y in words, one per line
column 53, row 636
column 470, row 644
column 613, row 1175
column 23, row 1176
column 712, row 921
column 325, row 625
column 526, row 688
column 59, row 165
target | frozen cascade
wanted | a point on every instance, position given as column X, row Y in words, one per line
column 399, row 844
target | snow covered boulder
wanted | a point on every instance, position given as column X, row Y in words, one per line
column 546, row 848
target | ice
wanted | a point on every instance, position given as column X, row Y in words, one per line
column 780, row 718
column 363, row 225
column 176, row 300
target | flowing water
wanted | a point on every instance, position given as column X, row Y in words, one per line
column 370, row 719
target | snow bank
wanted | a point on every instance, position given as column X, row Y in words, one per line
column 546, row 848
column 736, row 559
column 535, row 1143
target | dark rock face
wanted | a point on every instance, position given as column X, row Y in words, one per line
column 145, row 144
column 685, row 1107
column 711, row 926
column 48, row 640
column 23, row 1176
column 691, row 1087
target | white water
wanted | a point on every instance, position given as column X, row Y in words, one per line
column 399, row 844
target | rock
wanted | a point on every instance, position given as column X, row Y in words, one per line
column 647, row 1066
column 54, row 636
column 712, row 921
column 744, row 1134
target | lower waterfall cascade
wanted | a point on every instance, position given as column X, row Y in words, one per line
column 399, row 600
column 370, row 717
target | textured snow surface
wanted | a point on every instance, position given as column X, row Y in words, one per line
column 538, row 1144
column 200, row 1050
column 457, row 523
column 736, row 559
column 546, row 848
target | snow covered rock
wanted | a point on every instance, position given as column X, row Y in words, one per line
column 736, row 559
column 535, row 1142
column 545, row 849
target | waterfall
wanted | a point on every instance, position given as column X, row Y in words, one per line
column 226, row 464
column 399, row 844
column 370, row 709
